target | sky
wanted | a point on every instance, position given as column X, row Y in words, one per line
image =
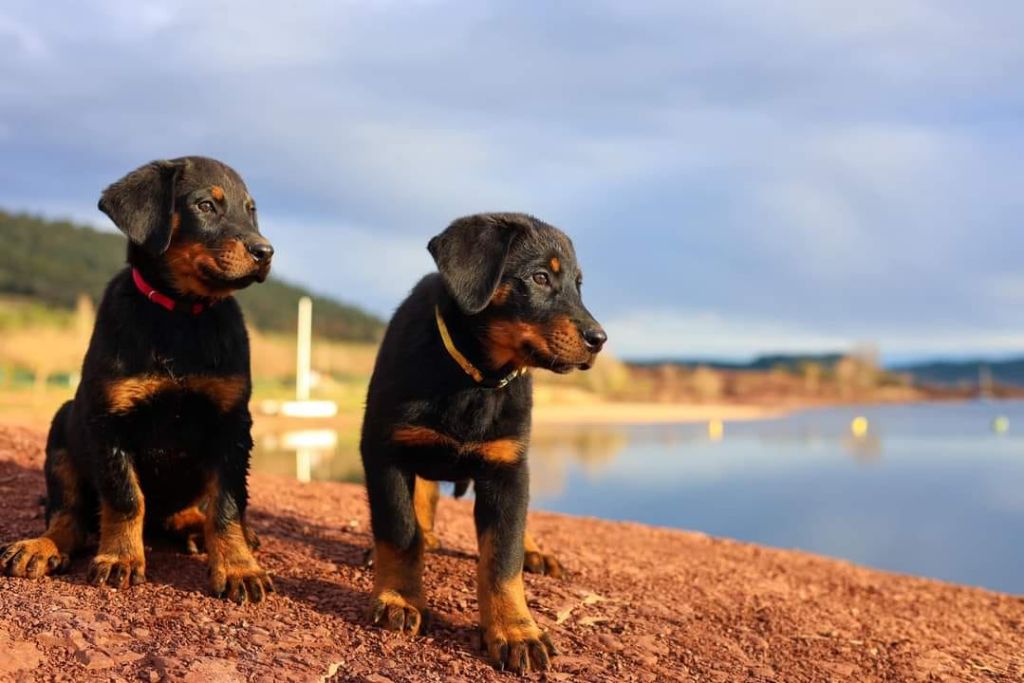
column 738, row 177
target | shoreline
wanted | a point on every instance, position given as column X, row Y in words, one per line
column 640, row 603
column 637, row 413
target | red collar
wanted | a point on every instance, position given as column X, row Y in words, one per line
column 163, row 300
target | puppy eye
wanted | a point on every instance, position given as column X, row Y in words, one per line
column 206, row 206
column 542, row 279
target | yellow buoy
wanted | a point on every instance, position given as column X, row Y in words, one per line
column 1001, row 424
column 716, row 430
column 859, row 426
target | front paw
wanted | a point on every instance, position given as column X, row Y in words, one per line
column 536, row 562
column 32, row 558
column 519, row 647
column 391, row 610
column 117, row 571
column 240, row 582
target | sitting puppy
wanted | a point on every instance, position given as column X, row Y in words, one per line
column 158, row 431
column 450, row 400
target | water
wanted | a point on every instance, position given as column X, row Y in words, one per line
column 930, row 489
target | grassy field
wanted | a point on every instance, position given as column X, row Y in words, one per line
column 41, row 350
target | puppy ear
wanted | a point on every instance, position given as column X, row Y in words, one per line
column 141, row 204
column 470, row 255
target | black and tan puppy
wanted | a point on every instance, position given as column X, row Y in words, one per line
column 450, row 400
column 158, row 432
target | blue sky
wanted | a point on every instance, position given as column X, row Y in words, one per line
column 739, row 176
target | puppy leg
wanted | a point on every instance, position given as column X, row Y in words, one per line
column 234, row 572
column 188, row 525
column 511, row 636
column 121, row 559
column 424, row 500
column 66, row 513
column 397, row 602
column 536, row 561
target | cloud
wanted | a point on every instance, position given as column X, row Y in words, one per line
column 795, row 170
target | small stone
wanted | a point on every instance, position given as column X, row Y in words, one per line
column 94, row 660
column 18, row 656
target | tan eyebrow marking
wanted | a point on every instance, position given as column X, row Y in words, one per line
column 556, row 265
column 218, row 192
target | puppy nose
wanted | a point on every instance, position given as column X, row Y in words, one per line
column 261, row 251
column 595, row 338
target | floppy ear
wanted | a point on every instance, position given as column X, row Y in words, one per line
column 141, row 204
column 470, row 255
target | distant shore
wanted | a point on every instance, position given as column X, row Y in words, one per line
column 652, row 413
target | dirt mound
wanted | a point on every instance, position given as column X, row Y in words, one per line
column 641, row 604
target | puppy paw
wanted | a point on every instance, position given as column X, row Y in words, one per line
column 32, row 558
column 117, row 571
column 519, row 648
column 391, row 610
column 536, row 562
column 240, row 582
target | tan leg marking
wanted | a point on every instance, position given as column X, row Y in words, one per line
column 234, row 572
column 51, row 552
column 425, row 497
column 397, row 602
column 511, row 636
column 121, row 559
column 536, row 561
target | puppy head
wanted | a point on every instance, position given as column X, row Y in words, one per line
column 520, row 277
column 194, row 216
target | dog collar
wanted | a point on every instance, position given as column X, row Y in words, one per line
column 163, row 300
column 467, row 366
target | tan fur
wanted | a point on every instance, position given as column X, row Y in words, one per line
column 424, row 501
column 508, row 340
column 499, row 451
column 126, row 393
column 232, row 565
column 504, row 615
column 121, row 537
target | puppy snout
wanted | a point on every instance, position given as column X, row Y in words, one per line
column 595, row 337
column 260, row 251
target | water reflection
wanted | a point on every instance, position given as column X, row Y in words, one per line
column 936, row 490
column 309, row 454
column 330, row 455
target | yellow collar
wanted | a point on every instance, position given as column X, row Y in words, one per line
column 464, row 363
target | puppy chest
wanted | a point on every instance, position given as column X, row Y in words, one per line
column 125, row 395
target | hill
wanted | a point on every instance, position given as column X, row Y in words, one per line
column 1006, row 372
column 778, row 361
column 55, row 261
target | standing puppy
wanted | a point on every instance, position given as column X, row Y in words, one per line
column 158, row 432
column 450, row 400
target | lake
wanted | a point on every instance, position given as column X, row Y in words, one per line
column 930, row 489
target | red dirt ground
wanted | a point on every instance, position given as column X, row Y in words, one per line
column 641, row 604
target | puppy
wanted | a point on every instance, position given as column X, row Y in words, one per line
column 450, row 400
column 158, row 433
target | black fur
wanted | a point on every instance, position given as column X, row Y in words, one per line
column 496, row 273
column 187, row 441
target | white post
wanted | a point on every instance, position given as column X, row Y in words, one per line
column 304, row 465
column 304, row 354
